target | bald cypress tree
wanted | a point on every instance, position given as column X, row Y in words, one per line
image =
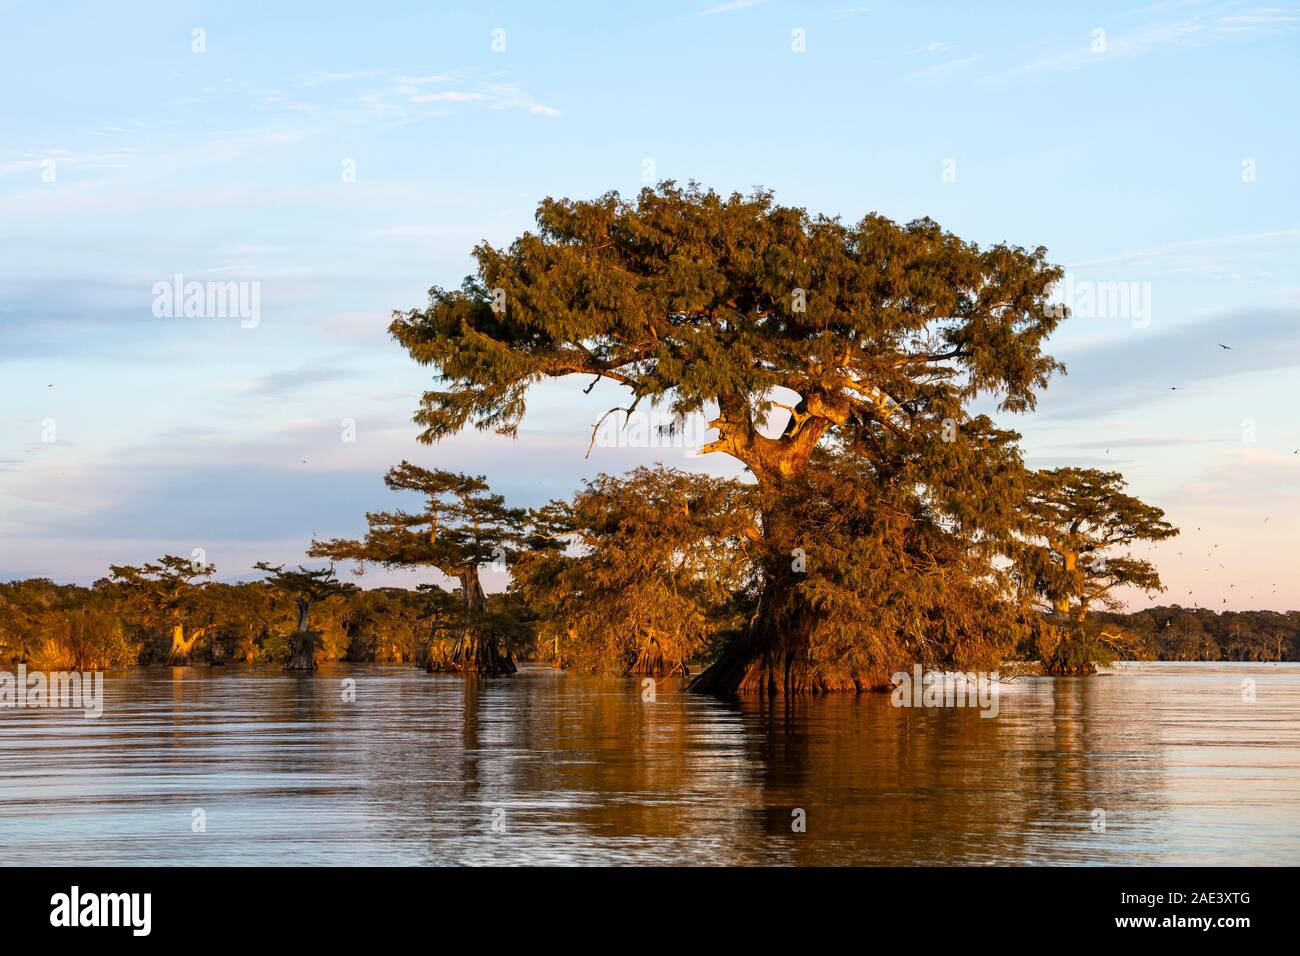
column 1078, row 525
column 166, row 592
column 461, row 527
column 658, row 568
column 789, row 331
column 305, row 588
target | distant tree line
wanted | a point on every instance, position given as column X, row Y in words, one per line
column 68, row 627
column 1175, row 633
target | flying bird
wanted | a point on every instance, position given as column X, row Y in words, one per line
column 1228, row 347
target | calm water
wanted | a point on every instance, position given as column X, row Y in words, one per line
column 579, row 770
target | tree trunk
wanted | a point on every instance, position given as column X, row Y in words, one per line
column 303, row 656
column 304, row 640
column 773, row 655
column 179, row 652
column 476, row 650
column 650, row 661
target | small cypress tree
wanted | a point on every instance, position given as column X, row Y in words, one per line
column 461, row 527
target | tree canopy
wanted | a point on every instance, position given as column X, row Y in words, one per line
column 1078, row 523
column 661, row 569
column 712, row 304
column 305, row 588
column 460, row 527
column 166, row 589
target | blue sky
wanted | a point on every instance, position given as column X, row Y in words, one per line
column 346, row 157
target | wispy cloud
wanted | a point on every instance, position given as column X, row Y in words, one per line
column 1214, row 256
column 732, row 6
column 1197, row 30
column 118, row 157
column 287, row 382
column 938, row 46
column 407, row 93
column 946, row 68
column 320, row 77
column 449, row 96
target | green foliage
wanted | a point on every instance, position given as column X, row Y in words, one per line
column 1076, row 526
column 1175, row 633
column 100, row 627
column 873, row 577
column 247, row 622
column 461, row 526
column 1081, row 646
column 658, row 563
column 28, row 612
column 83, row 638
column 689, row 298
column 872, row 337
column 162, row 599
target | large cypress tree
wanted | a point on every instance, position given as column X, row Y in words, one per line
column 871, row 337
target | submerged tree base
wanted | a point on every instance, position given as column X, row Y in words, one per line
column 759, row 663
column 471, row 654
column 651, row 662
column 303, row 656
column 1059, row 669
column 781, row 675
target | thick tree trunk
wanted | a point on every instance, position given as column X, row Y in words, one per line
column 772, row 657
column 774, row 654
column 303, row 656
column 181, row 647
column 476, row 650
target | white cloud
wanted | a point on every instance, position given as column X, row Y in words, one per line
column 946, row 68
column 1197, row 30
column 408, row 232
column 937, row 46
column 450, row 96
column 731, row 6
